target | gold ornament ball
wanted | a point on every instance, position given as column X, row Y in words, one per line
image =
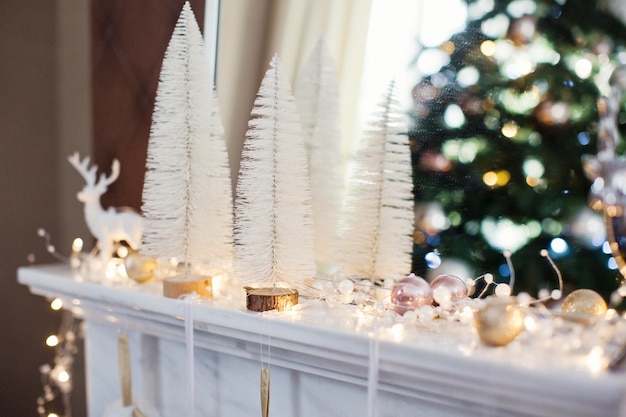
column 499, row 321
column 138, row 267
column 585, row 302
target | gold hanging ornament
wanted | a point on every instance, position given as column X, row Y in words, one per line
column 138, row 267
column 265, row 391
column 585, row 301
column 125, row 406
column 124, row 368
column 499, row 321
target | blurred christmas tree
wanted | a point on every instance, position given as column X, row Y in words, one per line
column 498, row 132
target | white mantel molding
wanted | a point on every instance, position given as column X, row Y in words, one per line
column 320, row 360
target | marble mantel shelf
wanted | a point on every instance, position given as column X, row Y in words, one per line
column 321, row 357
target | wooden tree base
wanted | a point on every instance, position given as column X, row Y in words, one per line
column 174, row 287
column 274, row 298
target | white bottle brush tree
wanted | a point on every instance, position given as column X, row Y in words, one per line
column 187, row 191
column 377, row 226
column 317, row 96
column 273, row 226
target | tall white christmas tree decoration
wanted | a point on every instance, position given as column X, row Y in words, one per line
column 377, row 227
column 317, row 96
column 187, row 199
column 273, row 226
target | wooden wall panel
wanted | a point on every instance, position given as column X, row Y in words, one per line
column 129, row 38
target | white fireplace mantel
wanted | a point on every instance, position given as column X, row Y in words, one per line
column 324, row 359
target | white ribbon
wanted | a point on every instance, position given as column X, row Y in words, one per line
column 191, row 389
column 372, row 377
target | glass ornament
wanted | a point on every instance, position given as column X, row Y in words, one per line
column 455, row 285
column 410, row 293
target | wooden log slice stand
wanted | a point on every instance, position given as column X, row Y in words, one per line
column 271, row 298
column 174, row 287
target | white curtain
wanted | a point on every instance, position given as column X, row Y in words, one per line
column 295, row 28
column 251, row 31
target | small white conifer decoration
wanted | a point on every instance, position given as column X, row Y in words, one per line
column 377, row 227
column 273, row 228
column 187, row 199
column 317, row 95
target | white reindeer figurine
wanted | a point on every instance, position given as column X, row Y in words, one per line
column 111, row 225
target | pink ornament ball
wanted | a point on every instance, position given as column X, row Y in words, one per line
column 455, row 285
column 411, row 293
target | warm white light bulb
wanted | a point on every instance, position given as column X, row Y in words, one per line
column 217, row 282
column 397, row 332
column 122, row 251
column 77, row 245
column 583, row 68
column 56, row 304
column 595, row 360
column 510, row 129
column 110, row 270
column 52, row 340
column 530, row 323
column 63, row 376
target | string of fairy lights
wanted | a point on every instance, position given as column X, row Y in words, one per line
column 57, row 376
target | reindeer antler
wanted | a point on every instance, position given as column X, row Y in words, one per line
column 105, row 180
column 89, row 174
